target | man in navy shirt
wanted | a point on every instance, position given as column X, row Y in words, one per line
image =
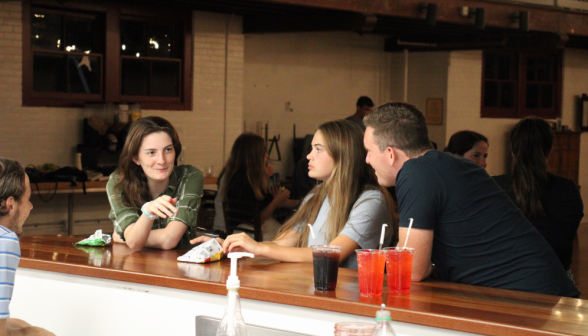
column 464, row 224
column 15, row 206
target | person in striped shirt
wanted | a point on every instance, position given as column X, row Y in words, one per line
column 15, row 206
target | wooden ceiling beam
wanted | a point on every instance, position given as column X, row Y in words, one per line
column 343, row 21
column 498, row 13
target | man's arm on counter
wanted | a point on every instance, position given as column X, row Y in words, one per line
column 16, row 327
column 422, row 241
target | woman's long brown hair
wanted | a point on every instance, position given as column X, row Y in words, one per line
column 247, row 155
column 135, row 191
column 351, row 176
column 531, row 140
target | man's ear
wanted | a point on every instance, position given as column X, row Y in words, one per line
column 391, row 155
column 9, row 203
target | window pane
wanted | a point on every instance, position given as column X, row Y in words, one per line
column 531, row 69
column 504, row 70
column 490, row 94
column 132, row 38
column 490, row 66
column 160, row 40
column 79, row 34
column 543, row 70
column 48, row 73
column 165, row 79
column 46, row 30
column 507, row 95
column 547, row 96
column 84, row 74
column 135, row 77
column 532, row 95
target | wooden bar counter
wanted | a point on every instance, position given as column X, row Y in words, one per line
column 456, row 307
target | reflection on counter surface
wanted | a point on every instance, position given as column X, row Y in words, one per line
column 439, row 304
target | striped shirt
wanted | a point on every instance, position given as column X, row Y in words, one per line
column 9, row 259
column 185, row 184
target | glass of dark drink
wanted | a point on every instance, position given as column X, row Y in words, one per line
column 325, row 259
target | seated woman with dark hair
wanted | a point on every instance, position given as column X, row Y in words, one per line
column 470, row 145
column 245, row 177
column 154, row 203
column 551, row 203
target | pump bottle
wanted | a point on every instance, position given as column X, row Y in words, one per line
column 383, row 325
column 232, row 323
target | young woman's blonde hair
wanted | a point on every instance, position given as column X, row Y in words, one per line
column 350, row 177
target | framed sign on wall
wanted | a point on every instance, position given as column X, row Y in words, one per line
column 434, row 113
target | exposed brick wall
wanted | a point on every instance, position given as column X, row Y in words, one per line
column 36, row 135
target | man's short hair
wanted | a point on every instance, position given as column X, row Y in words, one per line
column 399, row 125
column 12, row 182
column 365, row 101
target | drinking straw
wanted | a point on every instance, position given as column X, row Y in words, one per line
column 312, row 233
column 382, row 235
column 407, row 233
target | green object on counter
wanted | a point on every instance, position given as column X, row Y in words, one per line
column 92, row 242
column 97, row 239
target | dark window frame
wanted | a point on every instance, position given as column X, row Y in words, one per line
column 520, row 110
column 110, row 57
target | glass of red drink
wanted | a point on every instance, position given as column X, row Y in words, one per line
column 325, row 259
column 370, row 269
column 399, row 269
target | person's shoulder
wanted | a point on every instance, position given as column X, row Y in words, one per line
column 113, row 180
column 371, row 193
column 115, row 176
column 428, row 161
column 6, row 232
column 504, row 180
column 559, row 182
column 374, row 196
column 8, row 237
column 188, row 171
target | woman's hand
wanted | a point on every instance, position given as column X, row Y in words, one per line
column 280, row 193
column 203, row 239
column 241, row 242
column 163, row 206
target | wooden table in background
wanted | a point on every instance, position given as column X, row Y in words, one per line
column 444, row 305
column 50, row 188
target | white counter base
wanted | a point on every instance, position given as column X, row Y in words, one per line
column 72, row 305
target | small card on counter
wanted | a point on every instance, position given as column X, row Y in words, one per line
column 204, row 253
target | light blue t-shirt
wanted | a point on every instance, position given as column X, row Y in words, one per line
column 364, row 225
column 9, row 260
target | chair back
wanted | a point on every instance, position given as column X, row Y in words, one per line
column 206, row 212
column 239, row 212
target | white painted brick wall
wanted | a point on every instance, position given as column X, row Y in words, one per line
column 36, row 135
column 320, row 74
column 427, row 78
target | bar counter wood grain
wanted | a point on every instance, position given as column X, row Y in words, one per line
column 466, row 308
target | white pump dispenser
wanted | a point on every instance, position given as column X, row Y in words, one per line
column 232, row 323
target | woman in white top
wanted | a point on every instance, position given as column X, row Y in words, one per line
column 347, row 209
